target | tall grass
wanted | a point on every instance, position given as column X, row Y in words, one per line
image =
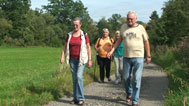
column 175, row 63
column 33, row 76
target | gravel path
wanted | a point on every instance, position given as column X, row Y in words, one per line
column 154, row 86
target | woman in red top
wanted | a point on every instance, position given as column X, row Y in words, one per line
column 78, row 52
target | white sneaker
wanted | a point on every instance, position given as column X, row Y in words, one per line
column 117, row 81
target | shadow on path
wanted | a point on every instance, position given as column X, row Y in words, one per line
column 153, row 88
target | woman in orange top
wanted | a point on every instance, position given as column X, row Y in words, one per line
column 103, row 46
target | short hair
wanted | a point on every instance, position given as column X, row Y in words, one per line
column 77, row 19
column 105, row 29
column 132, row 12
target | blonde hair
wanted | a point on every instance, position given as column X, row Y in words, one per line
column 117, row 32
column 115, row 37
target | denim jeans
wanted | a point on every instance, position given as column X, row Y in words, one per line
column 118, row 67
column 77, row 78
column 133, row 66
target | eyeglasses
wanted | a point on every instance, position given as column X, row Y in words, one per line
column 75, row 25
column 131, row 18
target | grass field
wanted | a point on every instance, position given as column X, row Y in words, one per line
column 33, row 76
column 22, row 68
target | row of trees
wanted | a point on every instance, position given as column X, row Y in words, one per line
column 172, row 25
column 22, row 26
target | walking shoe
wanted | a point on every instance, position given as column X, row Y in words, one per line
column 135, row 105
column 116, row 82
column 109, row 79
column 101, row 81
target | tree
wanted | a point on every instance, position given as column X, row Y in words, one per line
column 123, row 20
column 5, row 26
column 65, row 10
column 155, row 29
column 103, row 23
column 154, row 16
column 115, row 22
column 176, row 18
column 172, row 25
column 16, row 11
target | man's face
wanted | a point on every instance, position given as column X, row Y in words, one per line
column 131, row 19
column 76, row 25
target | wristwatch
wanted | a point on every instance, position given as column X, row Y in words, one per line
column 148, row 56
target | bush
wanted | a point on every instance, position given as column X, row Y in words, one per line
column 163, row 56
column 18, row 42
column 171, row 59
column 8, row 40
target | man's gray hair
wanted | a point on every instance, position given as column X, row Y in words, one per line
column 105, row 29
column 77, row 19
column 131, row 12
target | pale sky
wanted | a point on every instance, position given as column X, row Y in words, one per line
column 105, row 8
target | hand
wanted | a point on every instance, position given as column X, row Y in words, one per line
column 61, row 60
column 97, row 49
column 148, row 60
column 89, row 63
column 109, row 55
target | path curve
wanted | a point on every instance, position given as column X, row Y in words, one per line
column 154, row 86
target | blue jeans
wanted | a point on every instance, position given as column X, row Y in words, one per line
column 77, row 78
column 134, row 66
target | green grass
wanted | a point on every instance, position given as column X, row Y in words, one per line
column 33, row 76
column 22, row 68
column 172, row 62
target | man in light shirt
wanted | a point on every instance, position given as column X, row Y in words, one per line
column 135, row 40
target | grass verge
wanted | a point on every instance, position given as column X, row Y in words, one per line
column 175, row 62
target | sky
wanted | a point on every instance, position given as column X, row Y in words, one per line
column 98, row 9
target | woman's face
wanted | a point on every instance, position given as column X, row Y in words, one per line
column 105, row 33
column 117, row 35
column 76, row 25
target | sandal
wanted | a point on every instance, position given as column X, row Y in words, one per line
column 128, row 99
column 73, row 102
column 135, row 105
column 81, row 102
